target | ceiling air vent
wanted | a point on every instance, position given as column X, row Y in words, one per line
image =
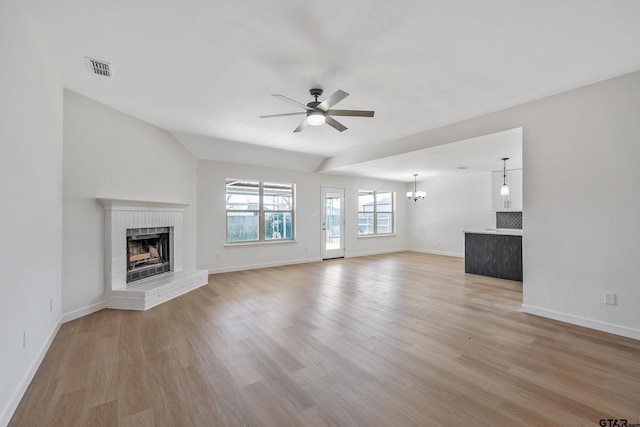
column 96, row 66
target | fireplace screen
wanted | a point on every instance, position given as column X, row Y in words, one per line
column 148, row 252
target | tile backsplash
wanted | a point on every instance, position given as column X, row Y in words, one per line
column 509, row 220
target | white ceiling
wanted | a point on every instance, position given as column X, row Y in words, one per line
column 207, row 68
column 478, row 155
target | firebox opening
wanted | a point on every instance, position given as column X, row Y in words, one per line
column 148, row 252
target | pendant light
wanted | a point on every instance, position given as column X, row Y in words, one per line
column 415, row 195
column 504, row 190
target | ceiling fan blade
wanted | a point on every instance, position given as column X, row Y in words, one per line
column 268, row 116
column 336, row 97
column 301, row 125
column 292, row 101
column 354, row 113
column 335, row 124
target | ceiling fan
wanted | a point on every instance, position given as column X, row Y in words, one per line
column 319, row 113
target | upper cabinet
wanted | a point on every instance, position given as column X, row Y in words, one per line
column 512, row 202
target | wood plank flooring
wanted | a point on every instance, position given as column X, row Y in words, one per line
column 402, row 339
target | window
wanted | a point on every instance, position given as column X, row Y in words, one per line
column 376, row 211
column 259, row 211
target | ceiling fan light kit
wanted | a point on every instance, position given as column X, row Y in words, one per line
column 319, row 113
column 316, row 118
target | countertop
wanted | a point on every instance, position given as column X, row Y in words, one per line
column 497, row 231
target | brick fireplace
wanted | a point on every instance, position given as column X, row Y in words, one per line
column 144, row 253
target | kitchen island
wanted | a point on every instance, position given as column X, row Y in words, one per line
column 494, row 252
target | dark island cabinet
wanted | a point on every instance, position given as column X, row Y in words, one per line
column 494, row 255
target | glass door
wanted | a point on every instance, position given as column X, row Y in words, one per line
column 332, row 223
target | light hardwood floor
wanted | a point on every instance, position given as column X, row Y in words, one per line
column 403, row 339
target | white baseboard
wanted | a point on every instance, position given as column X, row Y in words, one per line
column 582, row 321
column 264, row 265
column 427, row 251
column 382, row 252
column 306, row 260
column 6, row 415
column 76, row 314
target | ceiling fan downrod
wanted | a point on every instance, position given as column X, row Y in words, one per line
column 316, row 93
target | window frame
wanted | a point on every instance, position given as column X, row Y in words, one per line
column 261, row 213
column 375, row 213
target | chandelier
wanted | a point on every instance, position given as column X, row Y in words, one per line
column 415, row 195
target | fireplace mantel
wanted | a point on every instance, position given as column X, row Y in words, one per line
column 120, row 215
column 138, row 205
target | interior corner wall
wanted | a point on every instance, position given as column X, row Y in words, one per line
column 453, row 204
column 110, row 154
column 213, row 253
column 30, row 203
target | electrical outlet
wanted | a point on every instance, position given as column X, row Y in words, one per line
column 24, row 339
column 609, row 298
column 50, row 304
column 218, row 256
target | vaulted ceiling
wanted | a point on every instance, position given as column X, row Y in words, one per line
column 205, row 70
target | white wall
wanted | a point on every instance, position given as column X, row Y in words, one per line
column 582, row 198
column 211, row 217
column 30, row 202
column 580, row 186
column 453, row 204
column 110, row 154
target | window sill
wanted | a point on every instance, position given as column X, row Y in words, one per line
column 373, row 236
column 262, row 243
